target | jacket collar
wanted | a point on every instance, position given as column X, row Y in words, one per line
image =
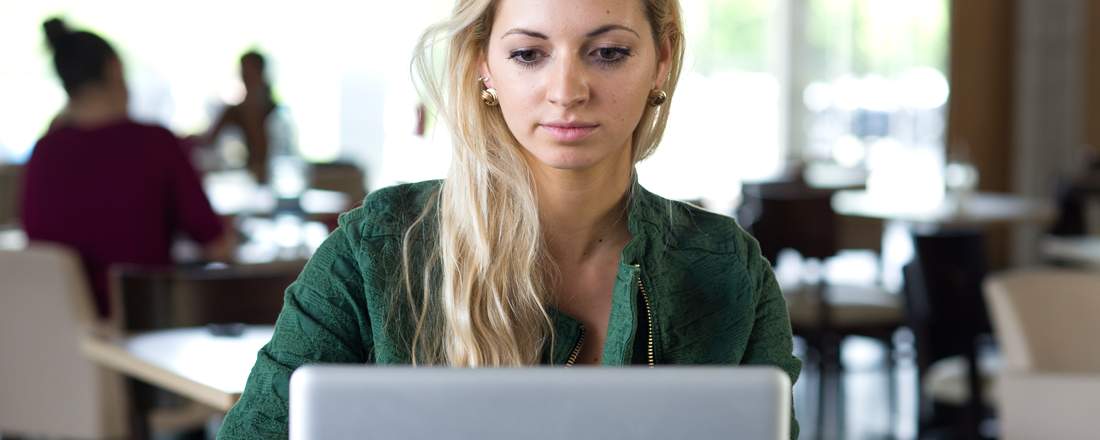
column 649, row 219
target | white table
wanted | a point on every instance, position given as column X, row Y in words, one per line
column 1082, row 251
column 236, row 192
column 973, row 210
column 191, row 362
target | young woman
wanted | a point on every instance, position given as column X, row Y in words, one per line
column 114, row 190
column 539, row 247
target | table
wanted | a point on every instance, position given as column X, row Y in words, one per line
column 829, row 176
column 237, row 193
column 1080, row 251
column 191, row 362
column 973, row 210
column 12, row 238
column 903, row 216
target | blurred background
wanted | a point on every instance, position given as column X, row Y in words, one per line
column 821, row 80
column 906, row 165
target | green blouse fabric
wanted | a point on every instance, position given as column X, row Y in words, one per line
column 713, row 300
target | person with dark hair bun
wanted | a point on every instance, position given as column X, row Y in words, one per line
column 252, row 115
column 114, row 190
column 89, row 69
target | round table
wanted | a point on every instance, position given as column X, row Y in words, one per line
column 972, row 210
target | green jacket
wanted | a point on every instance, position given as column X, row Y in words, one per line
column 691, row 281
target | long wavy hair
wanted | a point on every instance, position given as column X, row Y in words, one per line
column 479, row 297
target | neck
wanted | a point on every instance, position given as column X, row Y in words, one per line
column 583, row 211
column 94, row 108
column 258, row 96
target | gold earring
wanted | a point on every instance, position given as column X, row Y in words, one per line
column 657, row 97
column 489, row 97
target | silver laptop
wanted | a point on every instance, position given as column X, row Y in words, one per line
column 360, row 402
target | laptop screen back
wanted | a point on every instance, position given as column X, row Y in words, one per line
column 360, row 402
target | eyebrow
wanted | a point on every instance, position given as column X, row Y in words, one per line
column 598, row 31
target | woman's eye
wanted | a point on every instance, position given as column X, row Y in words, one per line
column 611, row 55
column 524, row 56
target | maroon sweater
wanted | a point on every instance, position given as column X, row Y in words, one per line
column 116, row 194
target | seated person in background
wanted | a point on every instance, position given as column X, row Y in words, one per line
column 540, row 247
column 1075, row 195
column 251, row 115
column 114, row 190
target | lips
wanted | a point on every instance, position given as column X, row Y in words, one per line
column 569, row 131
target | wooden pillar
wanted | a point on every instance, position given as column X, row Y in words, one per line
column 1092, row 76
column 980, row 113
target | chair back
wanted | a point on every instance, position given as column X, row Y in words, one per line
column 342, row 177
column 1047, row 320
column 943, row 294
column 790, row 215
column 47, row 387
column 159, row 298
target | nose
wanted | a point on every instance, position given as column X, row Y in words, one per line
column 568, row 86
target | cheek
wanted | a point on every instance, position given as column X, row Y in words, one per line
column 518, row 97
column 625, row 104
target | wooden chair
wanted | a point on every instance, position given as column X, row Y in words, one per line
column 945, row 310
column 790, row 215
column 343, row 177
column 159, row 298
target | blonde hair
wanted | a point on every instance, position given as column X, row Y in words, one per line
column 484, row 283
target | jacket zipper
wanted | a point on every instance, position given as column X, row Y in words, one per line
column 576, row 350
column 650, row 358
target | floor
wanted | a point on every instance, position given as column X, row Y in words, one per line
column 868, row 411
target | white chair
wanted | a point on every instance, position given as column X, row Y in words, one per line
column 1047, row 323
column 47, row 387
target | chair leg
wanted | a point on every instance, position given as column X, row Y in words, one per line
column 822, row 396
column 891, row 383
column 830, row 388
column 815, row 356
column 836, row 343
column 141, row 401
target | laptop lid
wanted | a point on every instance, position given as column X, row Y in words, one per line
column 364, row 402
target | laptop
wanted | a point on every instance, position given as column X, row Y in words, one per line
column 366, row 402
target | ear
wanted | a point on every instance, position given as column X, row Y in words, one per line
column 483, row 70
column 664, row 62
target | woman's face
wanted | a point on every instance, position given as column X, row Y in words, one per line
column 573, row 77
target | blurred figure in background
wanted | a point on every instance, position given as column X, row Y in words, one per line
column 252, row 115
column 114, row 190
column 1078, row 197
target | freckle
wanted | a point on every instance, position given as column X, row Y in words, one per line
column 608, row 12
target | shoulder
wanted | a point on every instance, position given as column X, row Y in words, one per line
column 390, row 211
column 700, row 248
column 680, row 225
column 151, row 132
column 49, row 140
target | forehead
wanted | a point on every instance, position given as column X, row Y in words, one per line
column 568, row 18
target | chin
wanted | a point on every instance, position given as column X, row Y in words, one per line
column 561, row 157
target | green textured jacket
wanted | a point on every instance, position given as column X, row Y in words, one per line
column 692, row 282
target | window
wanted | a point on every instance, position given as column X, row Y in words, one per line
column 856, row 82
column 342, row 73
